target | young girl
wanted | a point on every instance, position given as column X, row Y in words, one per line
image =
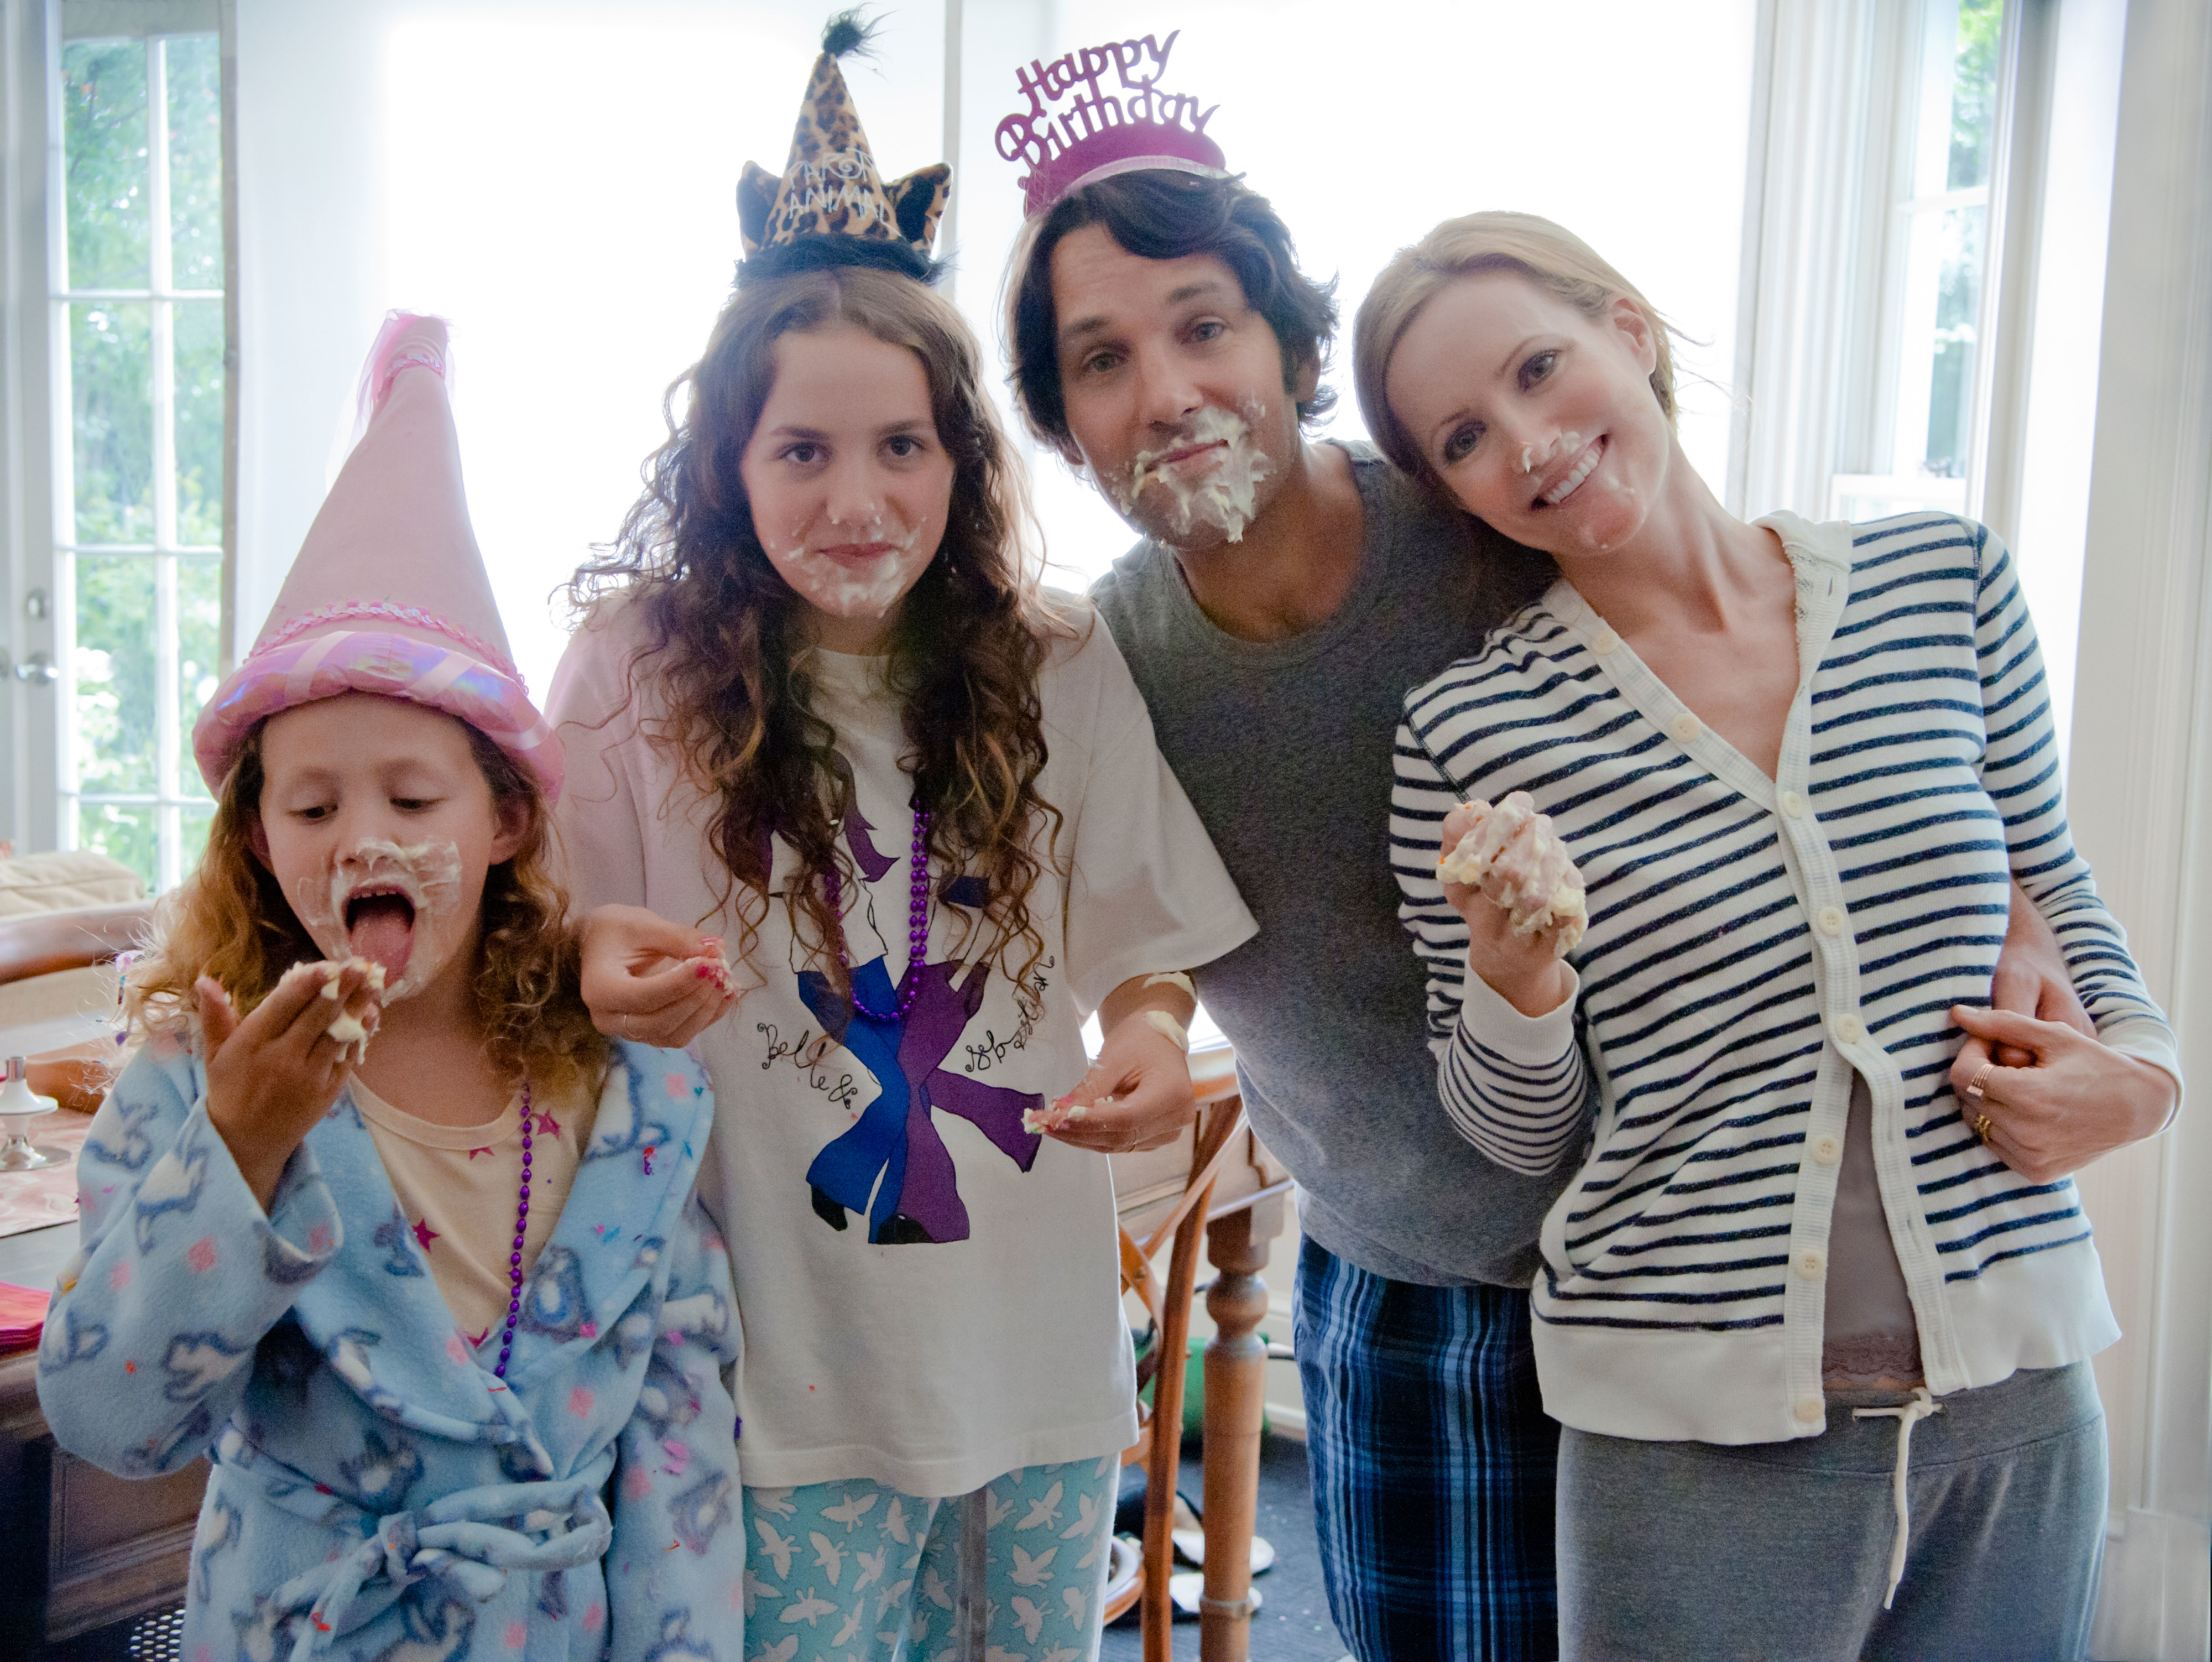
column 820, row 704
column 1817, row 1308
column 375, row 1218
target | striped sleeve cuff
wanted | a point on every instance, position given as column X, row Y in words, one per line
column 1514, row 1085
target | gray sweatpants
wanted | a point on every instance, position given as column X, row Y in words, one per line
column 1781, row 1551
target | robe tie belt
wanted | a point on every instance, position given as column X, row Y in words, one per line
column 1907, row 1414
column 472, row 1539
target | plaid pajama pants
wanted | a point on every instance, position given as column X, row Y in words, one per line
column 1433, row 1465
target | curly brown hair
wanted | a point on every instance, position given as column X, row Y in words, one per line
column 726, row 647
column 230, row 920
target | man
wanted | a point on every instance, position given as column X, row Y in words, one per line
column 1273, row 631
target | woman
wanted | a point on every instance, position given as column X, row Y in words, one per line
column 1788, row 771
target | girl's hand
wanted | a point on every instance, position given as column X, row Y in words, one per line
column 1137, row 1095
column 272, row 1076
column 2077, row 1102
column 647, row 979
column 1517, row 931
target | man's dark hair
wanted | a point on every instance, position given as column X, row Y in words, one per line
column 1157, row 213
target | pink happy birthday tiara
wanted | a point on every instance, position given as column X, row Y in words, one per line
column 1100, row 132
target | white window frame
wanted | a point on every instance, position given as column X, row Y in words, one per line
column 51, row 797
column 1845, row 88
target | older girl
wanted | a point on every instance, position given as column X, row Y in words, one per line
column 375, row 1218
column 821, row 709
column 1817, row 1310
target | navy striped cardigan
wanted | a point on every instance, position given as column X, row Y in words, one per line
column 1752, row 942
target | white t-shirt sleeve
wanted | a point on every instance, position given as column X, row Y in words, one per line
column 1146, row 892
column 602, row 838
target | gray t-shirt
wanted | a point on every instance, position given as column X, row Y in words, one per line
column 1284, row 749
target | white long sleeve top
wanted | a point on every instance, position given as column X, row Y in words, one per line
column 1752, row 943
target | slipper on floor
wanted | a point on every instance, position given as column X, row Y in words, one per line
column 1125, row 1574
column 1187, row 1529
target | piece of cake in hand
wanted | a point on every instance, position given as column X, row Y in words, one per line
column 1512, row 854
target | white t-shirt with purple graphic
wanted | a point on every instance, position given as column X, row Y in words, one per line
column 929, row 1294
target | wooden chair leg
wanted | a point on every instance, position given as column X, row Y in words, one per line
column 1235, row 1389
column 1167, row 1435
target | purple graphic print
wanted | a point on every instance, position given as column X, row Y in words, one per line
column 892, row 1164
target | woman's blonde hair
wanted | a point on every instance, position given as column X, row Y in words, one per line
column 230, row 920
column 1547, row 255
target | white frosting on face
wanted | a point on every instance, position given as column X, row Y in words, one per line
column 428, row 874
column 845, row 587
column 1219, row 489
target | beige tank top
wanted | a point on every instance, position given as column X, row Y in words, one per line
column 458, row 1186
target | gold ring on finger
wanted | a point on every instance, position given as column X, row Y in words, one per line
column 1974, row 1085
column 1983, row 1125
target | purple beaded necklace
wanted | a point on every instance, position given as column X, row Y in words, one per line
column 917, row 923
column 514, row 1261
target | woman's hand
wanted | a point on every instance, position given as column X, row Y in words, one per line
column 1138, row 1094
column 271, row 1076
column 651, row 981
column 1517, row 931
column 2077, row 1102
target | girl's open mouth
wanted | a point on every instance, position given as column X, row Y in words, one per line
column 380, row 925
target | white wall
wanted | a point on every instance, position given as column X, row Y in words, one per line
column 2141, row 799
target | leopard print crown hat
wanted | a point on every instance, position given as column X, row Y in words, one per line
column 831, row 207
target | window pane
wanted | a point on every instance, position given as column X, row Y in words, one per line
column 196, row 822
column 199, row 609
column 200, row 421
column 1974, row 92
column 1958, row 310
column 111, row 395
column 113, row 734
column 104, row 155
column 195, row 162
column 122, row 831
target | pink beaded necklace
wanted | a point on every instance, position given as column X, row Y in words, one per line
column 917, row 923
column 514, row 1260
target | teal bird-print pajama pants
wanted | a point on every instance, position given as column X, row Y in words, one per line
column 1014, row 1572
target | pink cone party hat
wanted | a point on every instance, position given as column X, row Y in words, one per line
column 1099, row 110
column 388, row 594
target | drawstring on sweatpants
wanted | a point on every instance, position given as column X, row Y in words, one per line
column 1906, row 1414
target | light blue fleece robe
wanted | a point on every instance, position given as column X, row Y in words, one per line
column 377, row 1493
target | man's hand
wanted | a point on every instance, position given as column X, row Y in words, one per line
column 1138, row 1094
column 271, row 1076
column 2031, row 978
column 1517, row 955
column 2077, row 1100
column 651, row 981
